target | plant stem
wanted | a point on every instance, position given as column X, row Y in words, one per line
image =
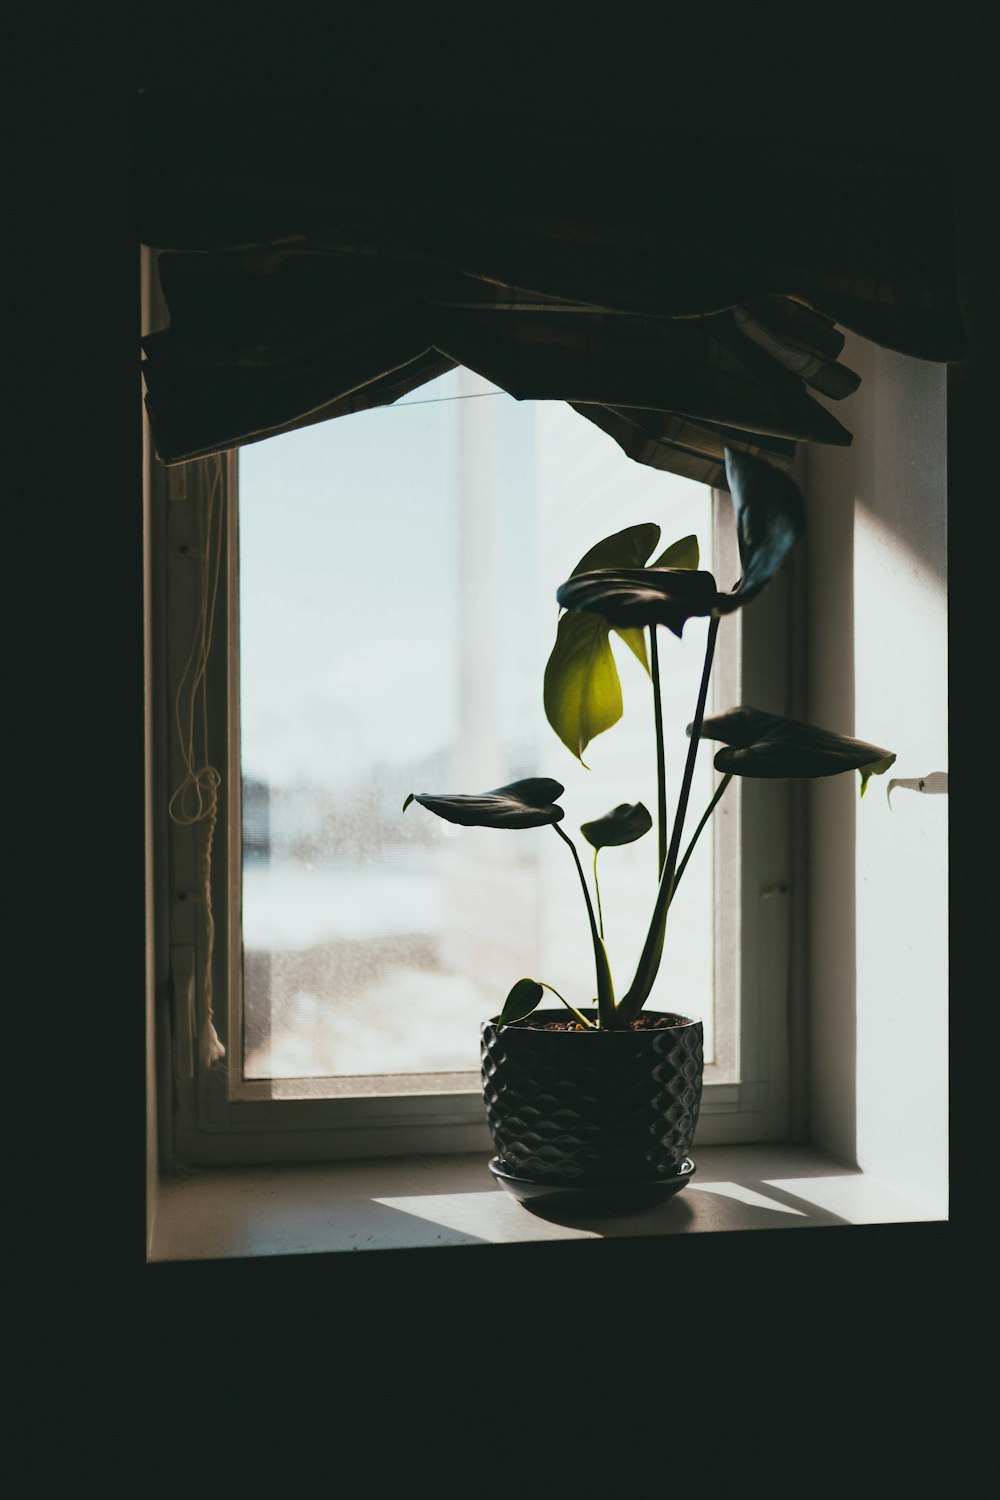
column 579, row 1017
column 649, row 961
column 694, row 839
column 605, row 990
column 661, row 770
column 597, row 893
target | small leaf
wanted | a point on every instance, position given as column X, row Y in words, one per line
column 622, row 825
column 521, row 1001
column 530, row 803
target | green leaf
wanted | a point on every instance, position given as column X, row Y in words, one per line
column 682, row 554
column 582, row 689
column 875, row 768
column 635, row 640
column 623, row 549
column 622, row 825
column 635, row 597
column 770, row 518
column 530, row 803
column 521, row 1001
column 765, row 745
column 582, row 692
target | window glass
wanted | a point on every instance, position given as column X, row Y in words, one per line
column 397, row 576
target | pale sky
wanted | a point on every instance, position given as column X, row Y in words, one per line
column 349, row 557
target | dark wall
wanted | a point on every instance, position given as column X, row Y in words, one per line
column 831, row 72
column 881, row 1330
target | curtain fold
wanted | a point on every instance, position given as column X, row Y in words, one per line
column 681, row 295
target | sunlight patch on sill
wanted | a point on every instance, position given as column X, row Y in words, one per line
column 423, row 1201
column 741, row 1194
column 853, row 1198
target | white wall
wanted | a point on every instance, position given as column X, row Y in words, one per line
column 877, row 653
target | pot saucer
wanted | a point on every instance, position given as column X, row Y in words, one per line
column 555, row 1198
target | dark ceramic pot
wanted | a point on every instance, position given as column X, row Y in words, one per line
column 590, row 1111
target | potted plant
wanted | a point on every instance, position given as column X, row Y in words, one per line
column 594, row 1103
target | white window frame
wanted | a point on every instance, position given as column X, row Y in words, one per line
column 203, row 1119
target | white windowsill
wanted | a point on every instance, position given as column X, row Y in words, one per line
column 416, row 1202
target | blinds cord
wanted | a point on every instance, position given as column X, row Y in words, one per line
column 196, row 798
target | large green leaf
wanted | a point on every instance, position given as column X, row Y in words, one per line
column 582, row 690
column 770, row 518
column 521, row 804
column 623, row 549
column 628, row 548
column 636, row 597
column 682, row 554
column 622, row 825
column 765, row 745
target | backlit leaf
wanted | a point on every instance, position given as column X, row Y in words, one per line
column 629, row 548
column 683, row 554
column 521, row 1001
column 522, row 804
column 582, row 688
column 622, row 825
column 636, row 597
column 876, row 768
column 765, row 745
column 581, row 691
column 770, row 518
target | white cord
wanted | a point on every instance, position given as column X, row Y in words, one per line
column 196, row 799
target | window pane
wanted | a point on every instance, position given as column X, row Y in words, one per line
column 397, row 607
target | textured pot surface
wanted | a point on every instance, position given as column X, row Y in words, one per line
column 592, row 1107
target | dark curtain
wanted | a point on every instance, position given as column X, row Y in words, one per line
column 683, row 295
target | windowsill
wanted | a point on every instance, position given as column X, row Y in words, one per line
column 406, row 1203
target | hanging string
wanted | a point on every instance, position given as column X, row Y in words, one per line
column 436, row 400
column 196, row 799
